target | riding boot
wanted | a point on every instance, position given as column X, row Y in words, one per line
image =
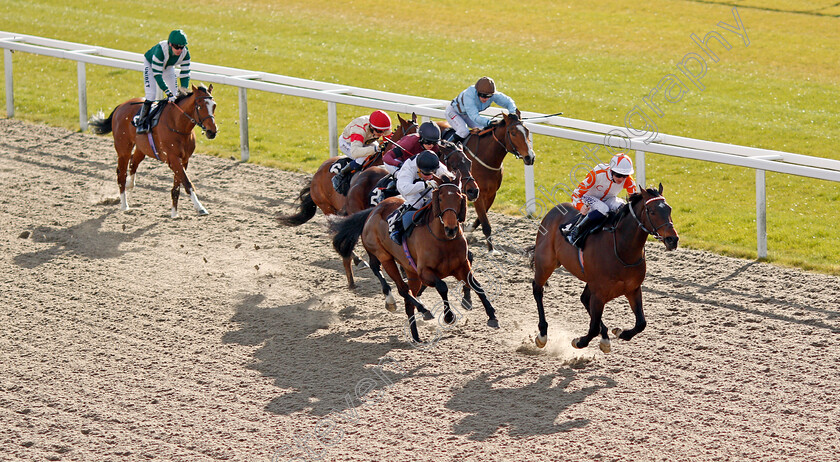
column 456, row 139
column 339, row 177
column 142, row 123
column 395, row 224
column 578, row 234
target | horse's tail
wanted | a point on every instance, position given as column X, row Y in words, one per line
column 100, row 126
column 347, row 232
column 531, row 252
column 305, row 212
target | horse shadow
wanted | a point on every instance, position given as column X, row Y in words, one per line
column 85, row 239
column 316, row 371
column 529, row 410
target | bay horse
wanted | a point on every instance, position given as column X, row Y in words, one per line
column 320, row 194
column 173, row 140
column 612, row 262
column 487, row 149
column 437, row 247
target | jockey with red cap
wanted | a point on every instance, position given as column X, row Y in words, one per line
column 359, row 141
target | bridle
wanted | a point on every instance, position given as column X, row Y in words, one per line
column 508, row 142
column 464, row 179
column 654, row 233
column 198, row 121
column 442, row 212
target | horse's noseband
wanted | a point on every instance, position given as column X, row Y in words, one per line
column 198, row 115
column 646, row 211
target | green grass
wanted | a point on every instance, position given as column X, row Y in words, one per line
column 780, row 92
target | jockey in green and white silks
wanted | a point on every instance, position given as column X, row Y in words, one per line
column 159, row 65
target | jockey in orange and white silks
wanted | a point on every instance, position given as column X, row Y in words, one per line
column 596, row 195
column 462, row 113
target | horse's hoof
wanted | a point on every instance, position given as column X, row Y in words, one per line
column 495, row 253
column 174, row 214
column 125, row 208
column 391, row 306
column 494, row 323
column 541, row 340
column 428, row 316
column 617, row 331
column 449, row 318
column 203, row 212
column 575, row 343
column 466, row 304
column 605, row 345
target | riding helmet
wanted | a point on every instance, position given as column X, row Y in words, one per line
column 427, row 162
column 429, row 133
column 485, row 85
column 621, row 164
column 178, row 37
column 380, row 120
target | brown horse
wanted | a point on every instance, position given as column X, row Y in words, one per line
column 487, row 149
column 437, row 247
column 173, row 140
column 611, row 264
column 320, row 194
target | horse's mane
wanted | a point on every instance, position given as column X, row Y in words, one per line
column 632, row 200
column 183, row 96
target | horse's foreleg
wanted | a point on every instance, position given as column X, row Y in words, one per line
column 596, row 310
column 449, row 318
column 390, row 303
column 180, row 170
column 635, row 299
column 466, row 301
column 604, row 345
column 481, row 208
column 410, row 302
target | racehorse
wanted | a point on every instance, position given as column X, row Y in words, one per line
column 611, row 264
column 171, row 141
column 320, row 194
column 437, row 249
column 487, row 149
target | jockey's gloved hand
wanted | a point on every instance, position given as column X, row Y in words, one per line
column 169, row 96
column 182, row 91
column 431, row 184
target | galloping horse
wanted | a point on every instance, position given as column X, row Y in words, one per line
column 174, row 140
column 611, row 264
column 320, row 194
column 437, row 247
column 488, row 149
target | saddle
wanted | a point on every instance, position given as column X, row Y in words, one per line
column 154, row 114
column 607, row 223
column 385, row 188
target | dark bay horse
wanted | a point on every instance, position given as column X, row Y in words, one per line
column 173, row 140
column 437, row 247
column 612, row 262
column 487, row 149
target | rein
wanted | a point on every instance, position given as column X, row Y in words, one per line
column 197, row 115
column 653, row 233
column 440, row 215
column 504, row 146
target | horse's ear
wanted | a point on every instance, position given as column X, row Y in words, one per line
column 192, row 88
column 435, row 205
column 414, row 117
column 399, row 117
column 462, row 211
column 660, row 188
column 518, row 114
column 210, row 88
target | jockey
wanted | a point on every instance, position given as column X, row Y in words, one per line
column 159, row 73
column 415, row 181
column 426, row 138
column 463, row 111
column 595, row 196
column 359, row 141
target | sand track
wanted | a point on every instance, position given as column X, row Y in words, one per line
column 133, row 336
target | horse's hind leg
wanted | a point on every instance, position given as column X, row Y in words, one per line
column 390, row 303
column 604, row 345
column 136, row 158
column 348, row 271
column 123, row 156
column 543, row 269
column 635, row 299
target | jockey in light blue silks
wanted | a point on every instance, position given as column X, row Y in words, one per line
column 462, row 113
